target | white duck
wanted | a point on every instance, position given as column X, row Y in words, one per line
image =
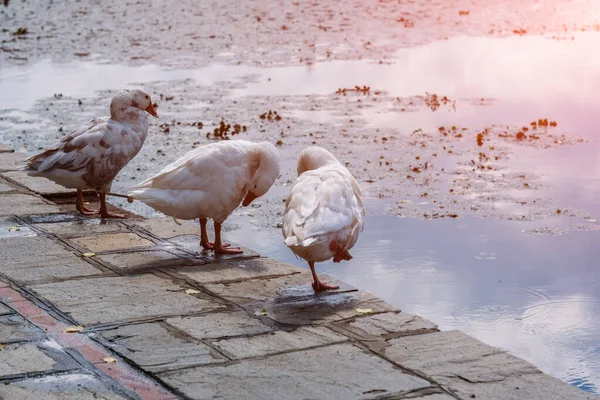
column 324, row 211
column 92, row 155
column 211, row 182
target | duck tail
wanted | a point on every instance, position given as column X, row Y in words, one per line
column 293, row 241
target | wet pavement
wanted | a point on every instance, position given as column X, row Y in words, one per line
column 472, row 127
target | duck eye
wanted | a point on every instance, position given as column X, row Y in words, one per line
column 147, row 97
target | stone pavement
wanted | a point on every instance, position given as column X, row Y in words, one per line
column 132, row 310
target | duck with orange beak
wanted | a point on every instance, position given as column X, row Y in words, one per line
column 211, row 182
column 91, row 156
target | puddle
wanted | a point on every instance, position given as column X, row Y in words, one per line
column 507, row 254
column 535, row 296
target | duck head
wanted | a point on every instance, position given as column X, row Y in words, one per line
column 314, row 157
column 131, row 98
column 265, row 172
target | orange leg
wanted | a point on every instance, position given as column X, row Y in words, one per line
column 222, row 248
column 104, row 213
column 317, row 285
column 204, row 236
column 81, row 207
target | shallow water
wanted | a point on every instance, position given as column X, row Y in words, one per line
column 528, row 287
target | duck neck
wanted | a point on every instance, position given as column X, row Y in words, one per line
column 131, row 116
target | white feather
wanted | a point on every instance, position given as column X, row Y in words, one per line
column 211, row 181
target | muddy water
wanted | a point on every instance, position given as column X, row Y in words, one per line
column 502, row 246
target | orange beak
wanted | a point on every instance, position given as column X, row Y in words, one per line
column 249, row 199
column 150, row 109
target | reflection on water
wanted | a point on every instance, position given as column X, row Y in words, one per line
column 536, row 296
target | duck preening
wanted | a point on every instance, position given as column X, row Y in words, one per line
column 211, row 182
column 324, row 211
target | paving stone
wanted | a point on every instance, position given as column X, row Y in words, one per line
column 295, row 286
column 386, row 325
column 82, row 227
column 38, row 259
column 22, row 358
column 468, row 366
column 59, row 387
column 23, row 204
column 5, row 188
column 324, row 373
column 118, row 299
column 166, row 228
column 11, row 161
column 37, row 184
column 218, row 325
column 9, row 228
column 238, row 270
column 111, row 242
column 142, row 260
column 154, row 348
column 277, row 342
column 14, row 328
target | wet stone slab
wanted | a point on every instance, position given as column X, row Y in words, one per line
column 59, row 387
column 166, row 228
column 82, row 227
column 277, row 342
column 111, row 242
column 39, row 185
column 328, row 372
column 52, row 218
column 14, row 328
column 238, row 270
column 293, row 286
column 291, row 299
column 191, row 244
column 157, row 349
column 473, row 369
column 118, row 299
column 218, row 325
column 143, row 260
column 23, row 204
column 39, row 259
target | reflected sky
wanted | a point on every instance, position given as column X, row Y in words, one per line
column 534, row 295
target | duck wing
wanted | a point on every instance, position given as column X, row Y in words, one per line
column 322, row 202
column 100, row 149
